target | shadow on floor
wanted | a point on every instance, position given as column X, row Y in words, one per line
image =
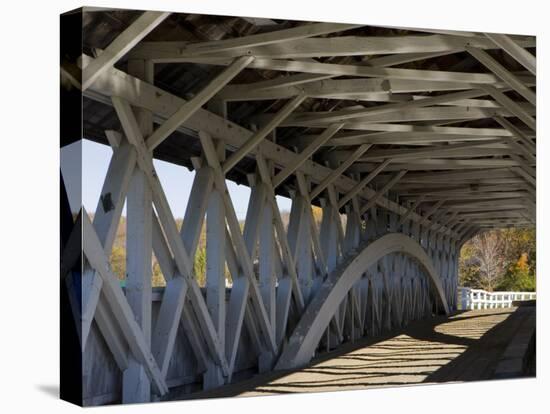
column 463, row 347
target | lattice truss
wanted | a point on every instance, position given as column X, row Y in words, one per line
column 406, row 160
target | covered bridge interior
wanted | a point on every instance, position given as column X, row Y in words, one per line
column 411, row 141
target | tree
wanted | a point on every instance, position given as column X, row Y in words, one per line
column 503, row 259
column 200, row 266
column 518, row 276
column 488, row 252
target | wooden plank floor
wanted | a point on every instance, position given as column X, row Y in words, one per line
column 463, row 347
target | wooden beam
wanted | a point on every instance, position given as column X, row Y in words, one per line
column 516, row 132
column 303, row 46
column 503, row 73
column 253, row 141
column 163, row 104
column 361, row 184
column 442, row 130
column 339, row 170
column 106, row 219
column 173, row 303
column 459, row 150
column 512, row 106
column 515, row 50
column 431, row 211
column 389, row 108
column 372, row 201
column 191, row 106
column 435, row 113
column 356, row 70
column 438, row 164
column 117, row 301
column 333, row 46
column 239, row 241
column 411, row 210
column 321, row 86
column 527, row 176
column 306, row 153
column 140, row 28
column 136, row 387
column 166, row 218
column 286, row 251
column 170, row 51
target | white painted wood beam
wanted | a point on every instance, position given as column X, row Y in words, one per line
column 106, row 219
column 445, row 221
column 173, row 301
column 492, row 214
column 431, row 211
column 400, row 138
column 503, row 73
column 333, row 200
column 215, row 278
column 458, row 150
column 160, row 51
column 389, row 108
column 373, row 200
column 234, row 227
column 238, row 299
column 361, row 184
column 114, row 138
column 443, row 130
column 399, row 59
column 321, row 86
column 304, row 192
column 166, row 219
column 280, row 82
column 438, row 164
column 411, row 210
column 356, row 70
column 308, row 47
column 163, row 104
column 419, row 114
column 193, row 218
column 512, row 106
column 281, row 234
column 191, row 106
column 525, row 175
column 329, row 179
column 117, row 301
column 516, row 132
column 140, row 28
column 525, row 165
column 515, row 50
column 459, row 176
column 306, row 153
column 136, row 387
column 111, row 333
column 253, row 141
column 267, row 275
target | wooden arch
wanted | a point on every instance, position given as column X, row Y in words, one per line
column 324, row 304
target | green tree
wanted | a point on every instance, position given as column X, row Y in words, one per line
column 518, row 276
column 200, row 266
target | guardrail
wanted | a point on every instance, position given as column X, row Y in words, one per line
column 481, row 299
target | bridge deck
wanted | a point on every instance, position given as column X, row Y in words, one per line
column 464, row 347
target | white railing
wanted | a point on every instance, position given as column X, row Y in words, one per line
column 481, row 299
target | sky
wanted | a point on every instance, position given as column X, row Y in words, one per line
column 175, row 180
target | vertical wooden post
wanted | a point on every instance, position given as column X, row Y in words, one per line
column 136, row 386
column 215, row 275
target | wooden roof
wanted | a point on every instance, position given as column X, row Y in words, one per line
column 439, row 122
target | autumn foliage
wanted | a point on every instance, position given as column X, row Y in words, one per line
column 503, row 259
